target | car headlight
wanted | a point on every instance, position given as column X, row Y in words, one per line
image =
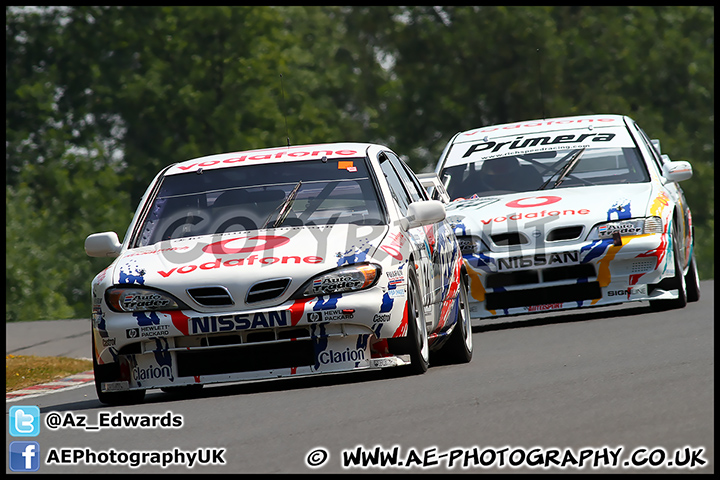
column 341, row 280
column 631, row 226
column 139, row 299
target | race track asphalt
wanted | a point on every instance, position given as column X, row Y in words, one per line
column 49, row 338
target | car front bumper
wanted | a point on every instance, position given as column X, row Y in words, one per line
column 593, row 273
column 329, row 334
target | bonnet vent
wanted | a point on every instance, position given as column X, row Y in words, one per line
column 211, row 296
column 267, row 290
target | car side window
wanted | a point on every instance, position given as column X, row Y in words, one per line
column 648, row 147
column 414, row 188
column 400, row 195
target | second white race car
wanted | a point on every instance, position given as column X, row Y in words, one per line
column 567, row 213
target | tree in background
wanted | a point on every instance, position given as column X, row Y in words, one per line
column 458, row 68
column 99, row 99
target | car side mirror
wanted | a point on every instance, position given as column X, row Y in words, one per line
column 425, row 212
column 105, row 244
column 677, row 171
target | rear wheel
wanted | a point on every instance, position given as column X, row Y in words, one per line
column 110, row 373
column 677, row 282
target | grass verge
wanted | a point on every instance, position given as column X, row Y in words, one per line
column 25, row 370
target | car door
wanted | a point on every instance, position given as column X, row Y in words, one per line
column 433, row 243
column 446, row 257
column 418, row 242
column 674, row 191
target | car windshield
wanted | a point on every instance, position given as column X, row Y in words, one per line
column 249, row 197
column 544, row 170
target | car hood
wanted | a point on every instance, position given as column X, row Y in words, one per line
column 537, row 214
column 236, row 261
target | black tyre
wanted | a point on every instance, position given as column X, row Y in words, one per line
column 110, row 373
column 677, row 282
column 692, row 281
column 416, row 342
column 459, row 347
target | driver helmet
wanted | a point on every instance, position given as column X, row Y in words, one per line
column 501, row 166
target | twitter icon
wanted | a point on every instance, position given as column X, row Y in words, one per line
column 24, row 421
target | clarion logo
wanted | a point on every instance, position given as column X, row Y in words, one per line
column 521, row 142
column 333, row 356
column 151, row 372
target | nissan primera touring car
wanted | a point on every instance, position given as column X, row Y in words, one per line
column 568, row 213
column 274, row 263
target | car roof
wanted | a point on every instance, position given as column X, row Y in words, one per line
column 541, row 126
column 273, row 155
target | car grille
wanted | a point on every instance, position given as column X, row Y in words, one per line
column 211, row 296
column 541, row 296
column 248, row 358
column 643, row 266
column 529, row 277
column 267, row 290
column 246, row 352
column 565, row 233
column 584, row 290
column 509, row 238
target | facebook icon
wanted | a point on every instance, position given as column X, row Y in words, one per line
column 24, row 456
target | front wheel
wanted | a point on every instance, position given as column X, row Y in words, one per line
column 110, row 373
column 692, row 281
column 416, row 342
column 677, row 282
column 459, row 347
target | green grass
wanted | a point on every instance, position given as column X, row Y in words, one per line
column 23, row 371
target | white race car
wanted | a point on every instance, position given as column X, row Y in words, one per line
column 569, row 212
column 273, row 263
column 434, row 187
